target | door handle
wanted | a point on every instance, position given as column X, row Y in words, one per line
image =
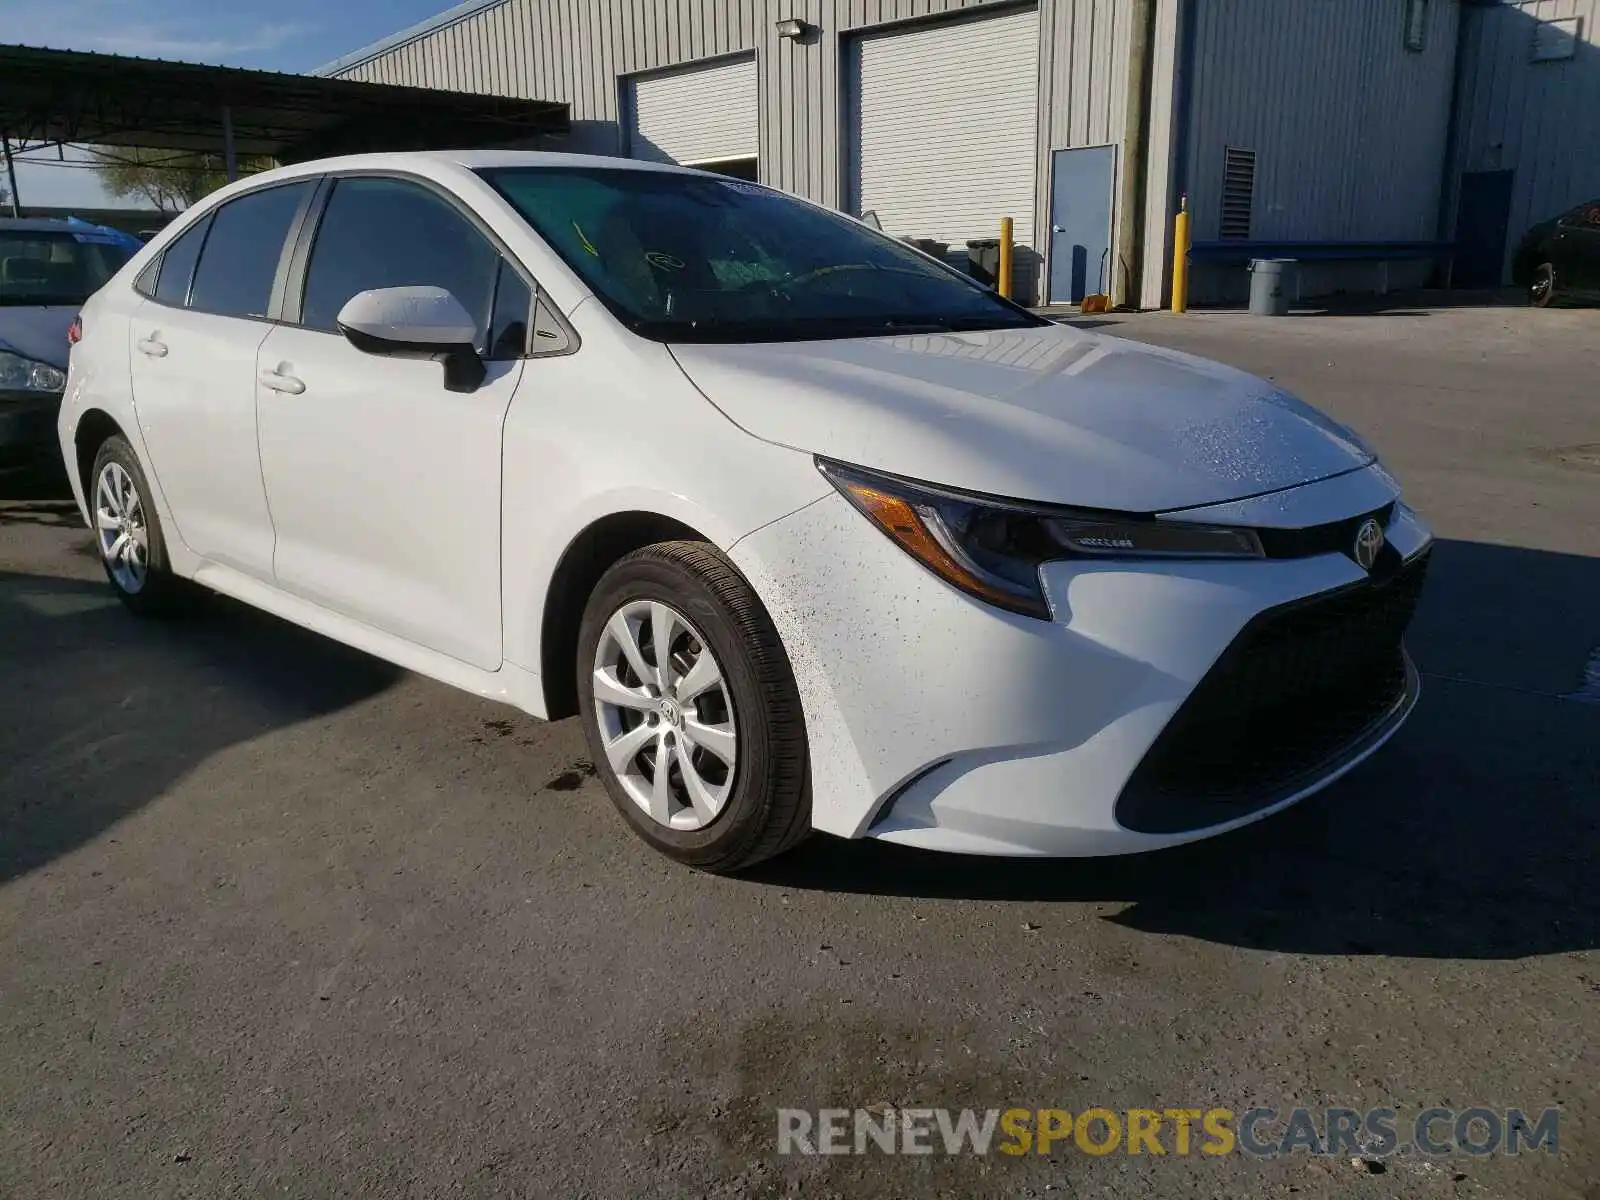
column 152, row 347
column 1057, row 229
column 277, row 381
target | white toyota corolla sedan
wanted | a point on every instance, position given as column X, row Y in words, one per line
column 811, row 531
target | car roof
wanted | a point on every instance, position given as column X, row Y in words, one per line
column 41, row 225
column 471, row 160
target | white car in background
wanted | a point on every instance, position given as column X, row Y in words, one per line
column 811, row 531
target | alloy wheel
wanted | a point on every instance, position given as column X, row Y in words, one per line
column 1543, row 283
column 122, row 529
column 665, row 715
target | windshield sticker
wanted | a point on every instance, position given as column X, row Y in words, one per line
column 663, row 260
column 747, row 189
column 96, row 239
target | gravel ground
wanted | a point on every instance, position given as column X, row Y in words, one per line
column 279, row 919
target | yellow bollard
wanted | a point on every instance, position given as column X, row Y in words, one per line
column 1003, row 284
column 1180, row 258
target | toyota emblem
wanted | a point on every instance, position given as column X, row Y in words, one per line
column 1369, row 542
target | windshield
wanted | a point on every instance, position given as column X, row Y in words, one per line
column 40, row 267
column 689, row 258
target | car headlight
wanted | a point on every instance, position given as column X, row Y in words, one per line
column 992, row 549
column 20, row 374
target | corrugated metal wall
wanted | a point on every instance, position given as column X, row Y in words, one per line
column 574, row 50
column 1349, row 127
column 1541, row 120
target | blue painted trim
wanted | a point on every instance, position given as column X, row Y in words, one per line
column 395, row 40
column 1189, row 20
column 1230, row 252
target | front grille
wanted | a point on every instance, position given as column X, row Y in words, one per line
column 1300, row 689
column 1336, row 537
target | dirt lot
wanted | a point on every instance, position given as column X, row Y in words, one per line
column 279, row 919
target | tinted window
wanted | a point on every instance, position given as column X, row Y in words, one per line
column 379, row 233
column 177, row 265
column 44, row 266
column 683, row 257
column 241, row 256
column 513, row 301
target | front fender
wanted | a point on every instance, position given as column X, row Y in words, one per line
column 583, row 443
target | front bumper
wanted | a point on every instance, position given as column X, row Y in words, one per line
column 27, row 425
column 937, row 721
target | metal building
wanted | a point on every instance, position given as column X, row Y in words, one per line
column 1315, row 129
column 1527, row 141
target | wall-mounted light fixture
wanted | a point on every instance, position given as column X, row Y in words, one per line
column 793, row 27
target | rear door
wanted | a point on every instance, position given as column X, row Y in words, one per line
column 384, row 486
column 193, row 355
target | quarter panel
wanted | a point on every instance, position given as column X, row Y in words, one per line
column 99, row 378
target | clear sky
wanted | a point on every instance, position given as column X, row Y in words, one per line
column 274, row 35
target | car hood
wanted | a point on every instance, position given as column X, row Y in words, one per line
column 37, row 333
column 1050, row 414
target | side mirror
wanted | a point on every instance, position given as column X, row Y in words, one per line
column 417, row 322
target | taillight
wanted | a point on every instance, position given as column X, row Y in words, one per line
column 75, row 331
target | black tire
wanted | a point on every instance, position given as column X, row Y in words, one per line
column 768, row 810
column 162, row 593
column 1542, row 290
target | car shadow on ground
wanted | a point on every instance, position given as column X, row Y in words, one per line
column 1474, row 834
column 100, row 712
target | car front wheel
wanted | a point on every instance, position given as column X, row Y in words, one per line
column 1542, row 290
column 691, row 710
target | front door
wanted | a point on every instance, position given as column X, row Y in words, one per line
column 1578, row 249
column 1483, row 219
column 1080, row 222
column 385, row 486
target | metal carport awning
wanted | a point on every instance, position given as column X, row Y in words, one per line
column 50, row 97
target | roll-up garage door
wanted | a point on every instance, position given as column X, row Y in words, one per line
column 945, row 121
column 698, row 115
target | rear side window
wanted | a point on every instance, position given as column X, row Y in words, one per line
column 379, row 233
column 241, row 255
column 177, row 265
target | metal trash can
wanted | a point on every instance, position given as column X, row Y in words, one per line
column 983, row 260
column 1271, row 282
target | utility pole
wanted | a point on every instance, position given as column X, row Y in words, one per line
column 1124, row 285
column 230, row 159
column 11, row 176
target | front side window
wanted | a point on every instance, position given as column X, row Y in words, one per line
column 381, row 233
column 513, row 311
column 48, row 266
column 242, row 252
column 681, row 257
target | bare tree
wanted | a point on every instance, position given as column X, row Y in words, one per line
column 170, row 180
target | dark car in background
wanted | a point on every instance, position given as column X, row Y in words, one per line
column 1559, row 259
column 47, row 270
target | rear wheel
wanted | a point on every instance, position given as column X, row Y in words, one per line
column 128, row 532
column 1542, row 290
column 691, row 709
